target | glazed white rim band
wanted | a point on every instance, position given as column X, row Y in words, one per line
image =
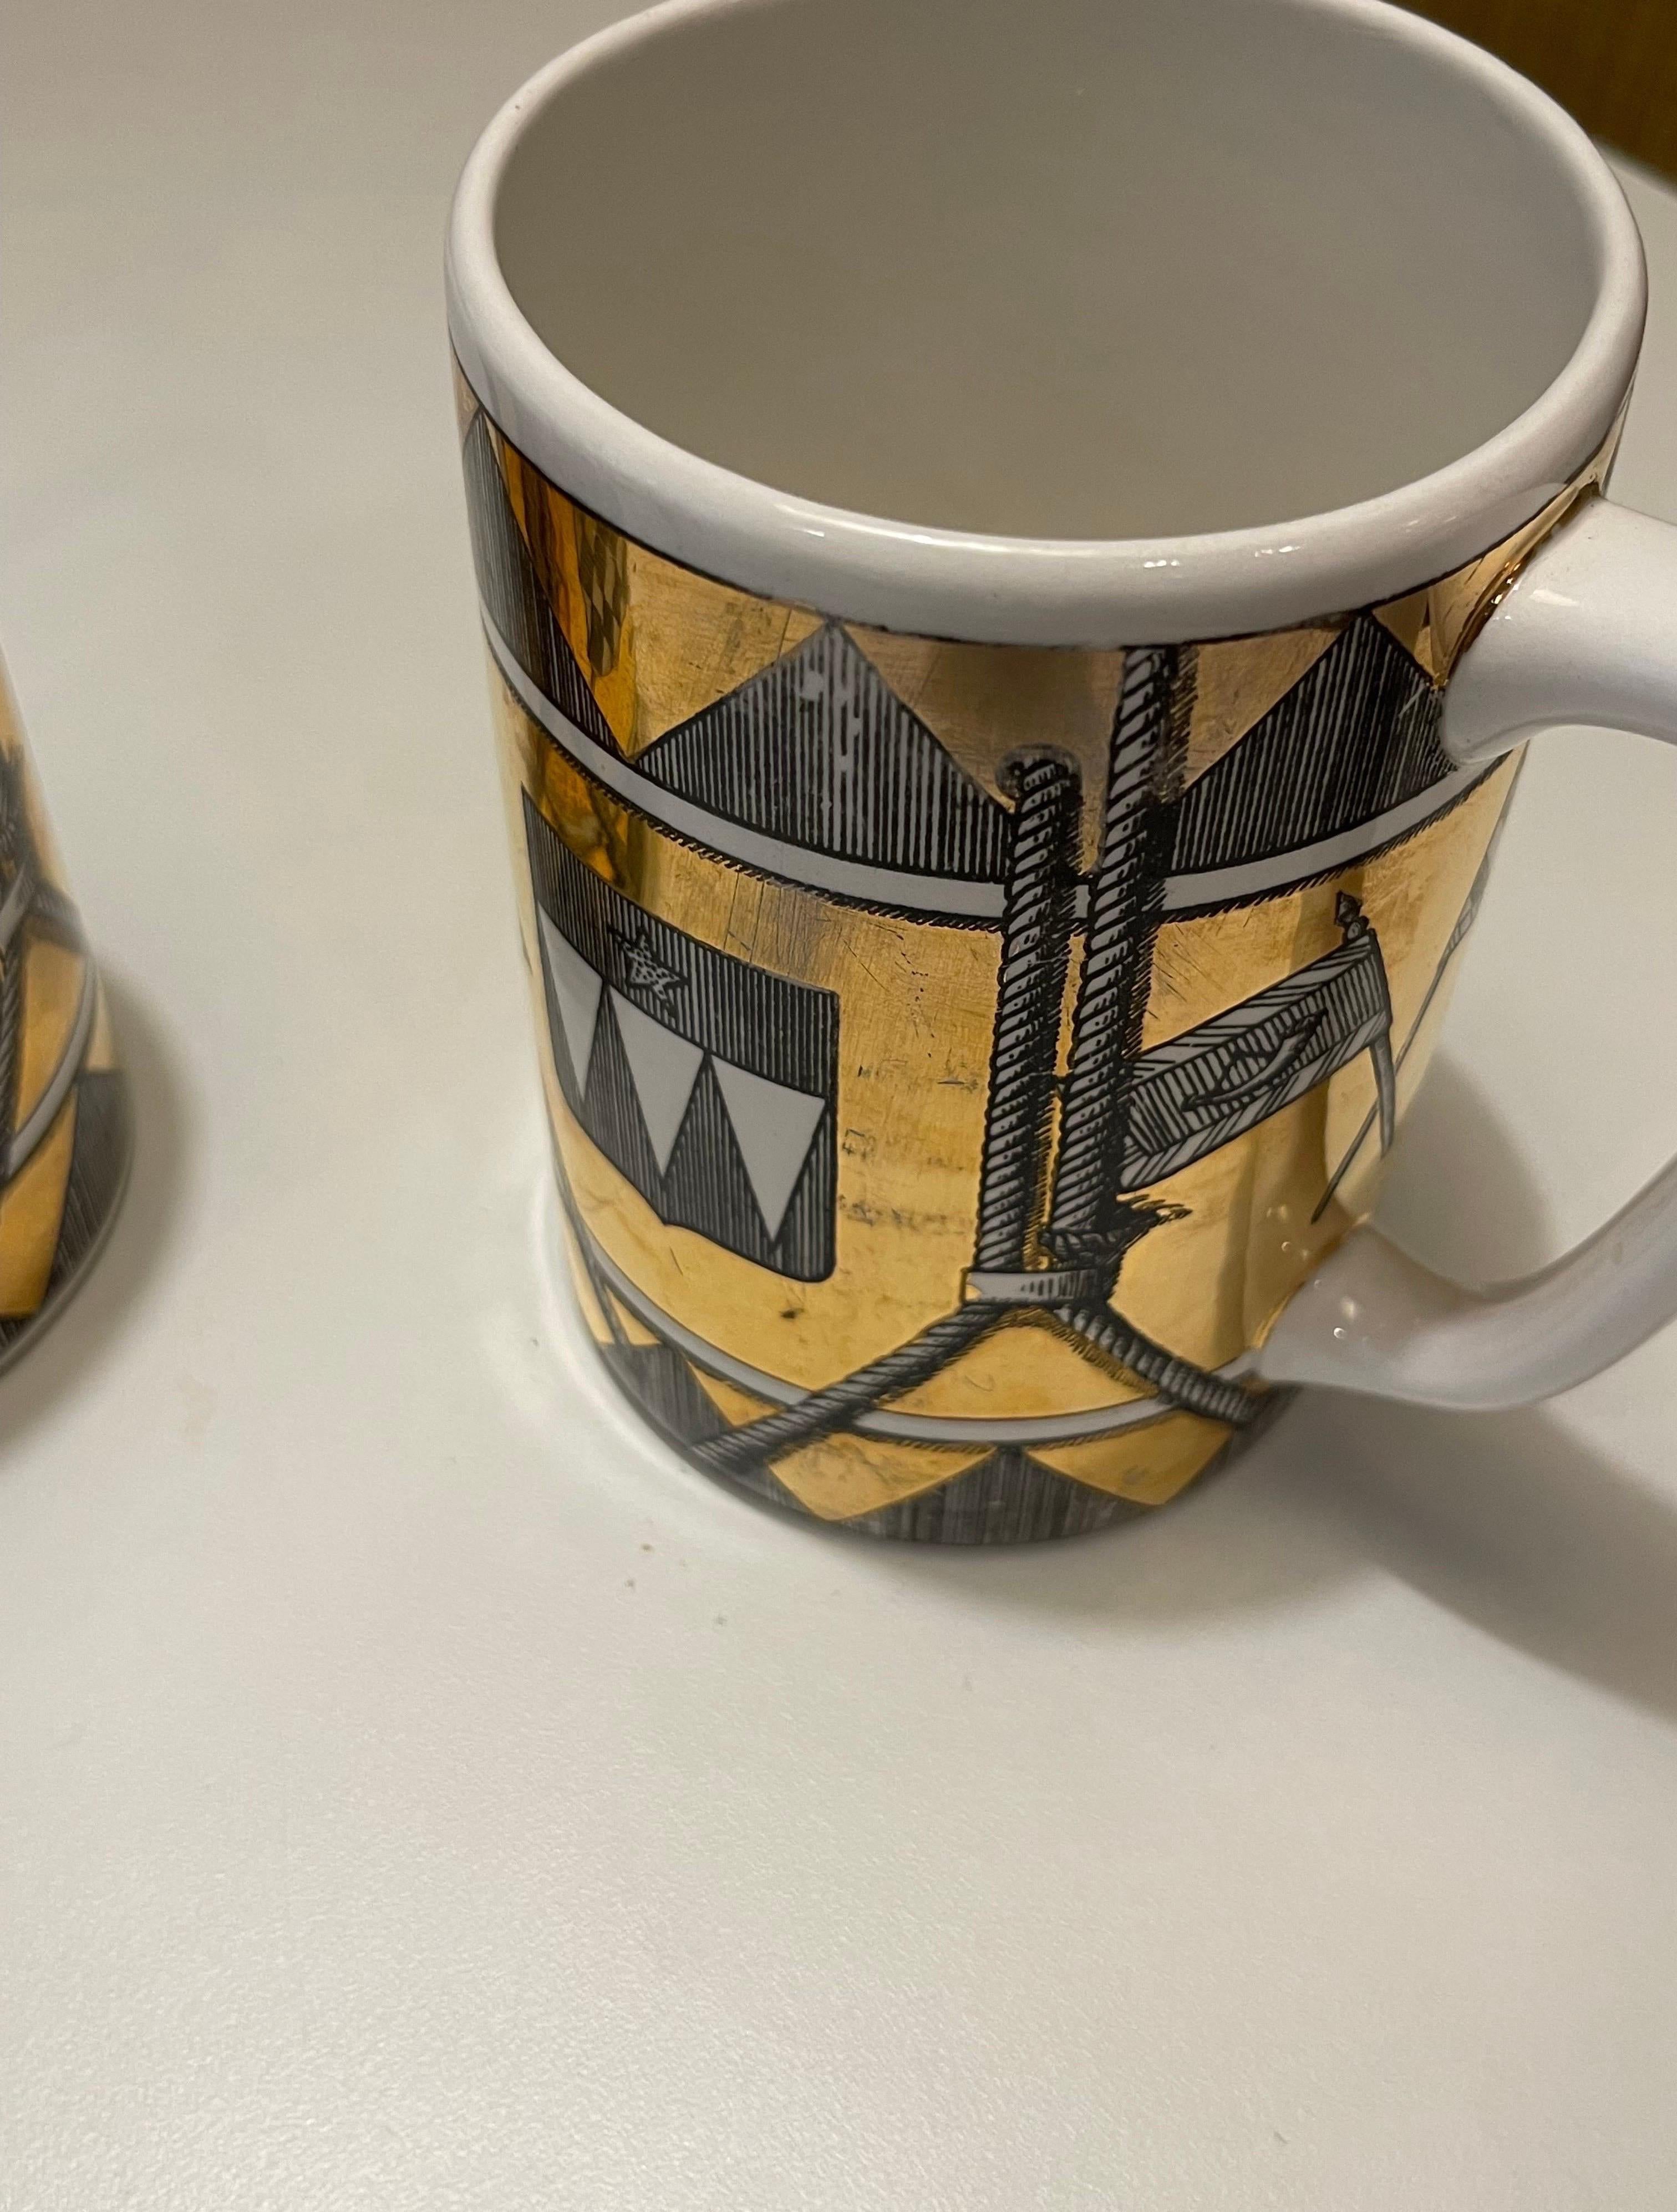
column 1021, row 591
column 901, row 1428
column 952, row 898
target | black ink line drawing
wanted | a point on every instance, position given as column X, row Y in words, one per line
column 31, row 900
column 1201, row 1091
column 814, row 770
column 1354, row 737
column 710, row 1084
column 964, row 901
column 817, row 750
column 513, row 597
column 1457, row 937
column 1008, row 1497
column 1067, row 1265
column 1052, row 1238
column 816, row 756
column 897, row 1425
column 101, row 1152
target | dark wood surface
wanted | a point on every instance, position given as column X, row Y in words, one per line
column 1613, row 62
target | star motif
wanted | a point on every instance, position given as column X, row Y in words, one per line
column 642, row 970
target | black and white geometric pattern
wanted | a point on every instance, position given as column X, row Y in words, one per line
column 818, row 751
column 1008, row 1497
column 1198, row 1092
column 514, row 598
column 1355, row 736
column 709, row 1083
column 99, row 1156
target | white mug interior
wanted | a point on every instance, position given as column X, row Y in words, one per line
column 1157, row 277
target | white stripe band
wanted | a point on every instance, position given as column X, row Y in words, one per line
column 1223, row 886
column 903, row 1428
column 950, row 897
column 734, row 841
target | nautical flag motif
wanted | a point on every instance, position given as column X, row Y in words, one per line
column 1198, row 1092
column 709, row 1083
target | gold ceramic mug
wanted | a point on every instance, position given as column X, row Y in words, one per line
column 982, row 959
column 65, row 1130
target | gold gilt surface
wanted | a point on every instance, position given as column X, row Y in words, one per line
column 32, row 1204
column 918, row 1004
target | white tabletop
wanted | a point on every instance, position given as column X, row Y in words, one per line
column 417, row 1789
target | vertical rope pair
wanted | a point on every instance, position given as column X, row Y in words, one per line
column 1088, row 1223
column 1035, row 937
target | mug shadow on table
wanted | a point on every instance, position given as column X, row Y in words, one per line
column 1505, row 1519
column 85, row 1330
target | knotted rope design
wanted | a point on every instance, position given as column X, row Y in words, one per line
column 1088, row 1227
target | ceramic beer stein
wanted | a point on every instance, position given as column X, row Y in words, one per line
column 1019, row 551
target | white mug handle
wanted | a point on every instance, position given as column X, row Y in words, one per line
column 1586, row 633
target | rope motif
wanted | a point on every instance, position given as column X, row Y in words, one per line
column 1089, row 1224
column 1088, row 1221
column 823, row 1410
column 1036, row 952
column 1177, row 1380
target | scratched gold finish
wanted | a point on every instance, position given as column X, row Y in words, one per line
column 912, row 1109
column 917, row 1004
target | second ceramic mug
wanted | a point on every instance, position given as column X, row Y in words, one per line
column 983, row 957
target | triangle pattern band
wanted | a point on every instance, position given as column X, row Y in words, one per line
column 817, row 750
column 576, row 992
column 1355, row 736
column 1008, row 1497
column 710, row 1144
column 512, row 593
column 773, row 1128
column 663, row 1067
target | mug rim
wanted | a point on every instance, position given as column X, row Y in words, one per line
column 1095, row 593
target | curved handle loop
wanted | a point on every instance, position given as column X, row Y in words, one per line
column 1586, row 633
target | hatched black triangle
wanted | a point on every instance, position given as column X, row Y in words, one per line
column 512, row 594
column 817, row 751
column 1009, row 1497
column 610, row 1110
column 1356, row 735
column 661, row 1384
